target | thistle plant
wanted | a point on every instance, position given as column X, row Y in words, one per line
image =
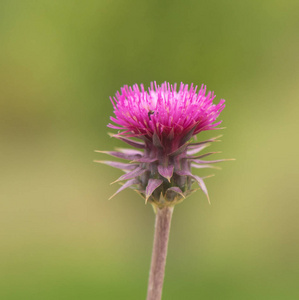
column 161, row 124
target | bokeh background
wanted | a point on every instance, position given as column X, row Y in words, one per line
column 60, row 238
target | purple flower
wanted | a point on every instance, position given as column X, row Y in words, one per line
column 164, row 120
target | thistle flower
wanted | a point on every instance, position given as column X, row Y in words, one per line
column 163, row 120
column 159, row 124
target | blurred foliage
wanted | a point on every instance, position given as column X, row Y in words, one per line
column 59, row 63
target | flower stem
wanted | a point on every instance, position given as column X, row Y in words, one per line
column 162, row 228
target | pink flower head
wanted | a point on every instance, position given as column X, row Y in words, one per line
column 163, row 110
column 165, row 120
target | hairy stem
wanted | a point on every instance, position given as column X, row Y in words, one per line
column 162, row 228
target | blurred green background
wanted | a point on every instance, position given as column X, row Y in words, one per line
column 60, row 236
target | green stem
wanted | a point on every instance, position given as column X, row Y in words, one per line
column 162, row 228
